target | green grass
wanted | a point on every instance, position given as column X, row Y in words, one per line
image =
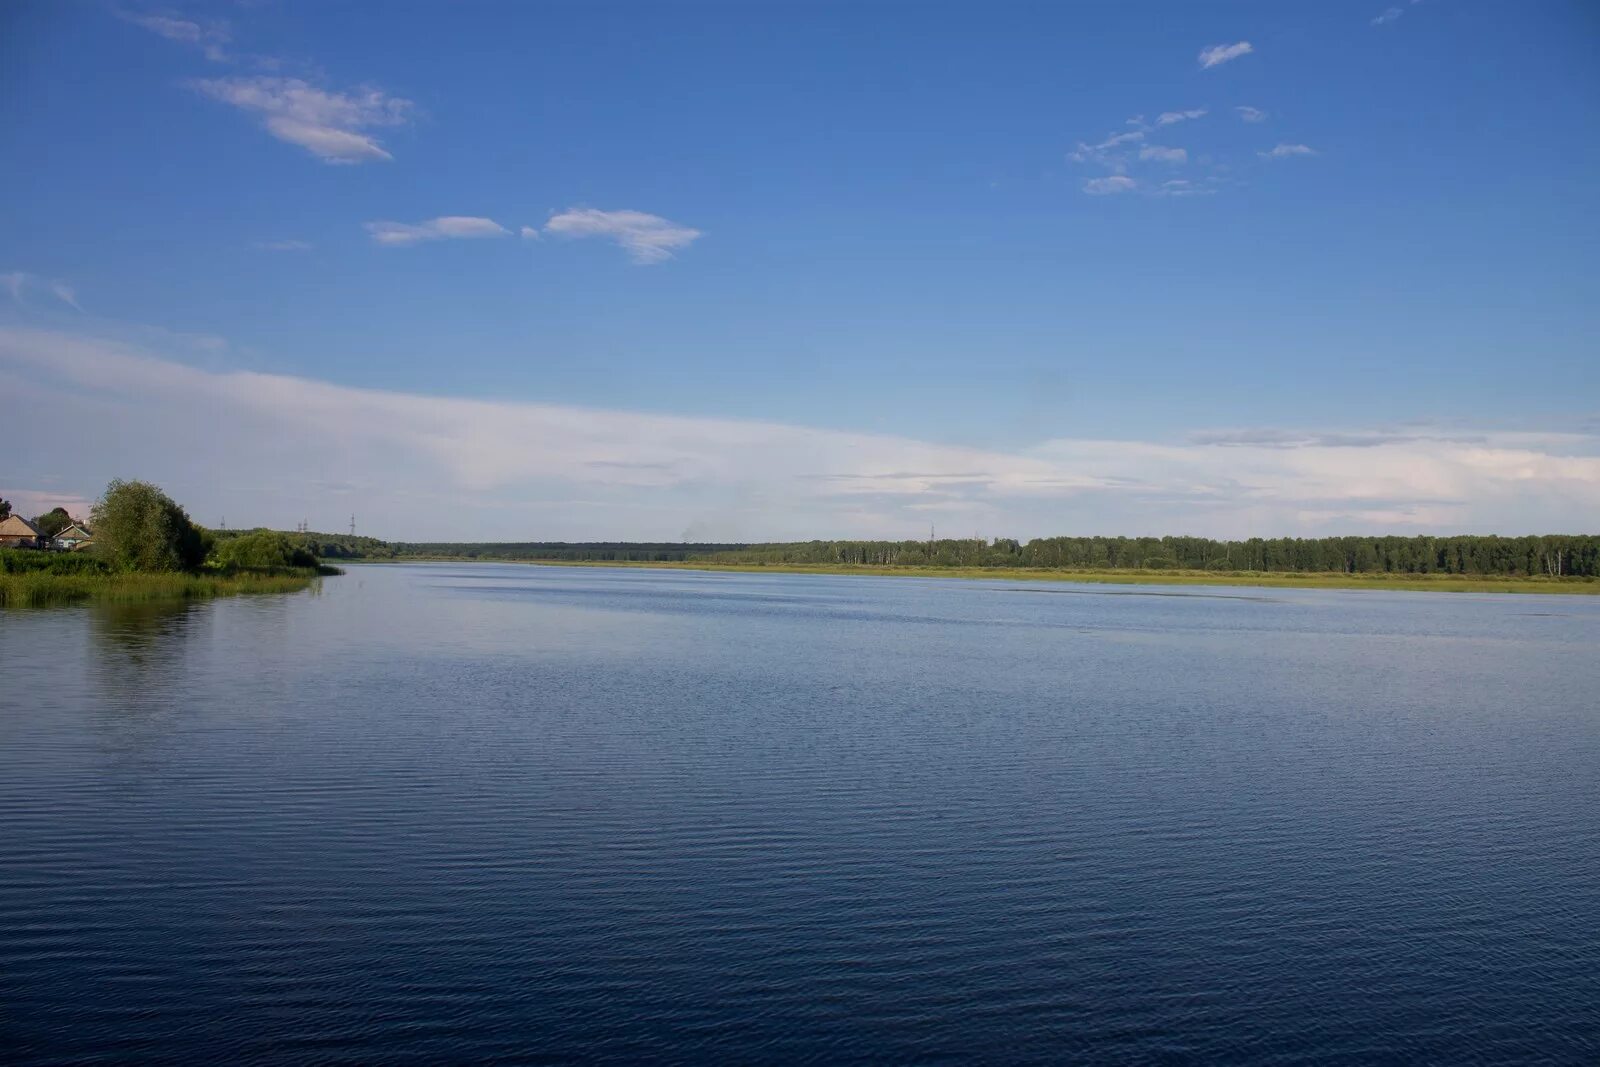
column 41, row 588
column 1436, row 583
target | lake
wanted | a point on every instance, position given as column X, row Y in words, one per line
column 451, row 812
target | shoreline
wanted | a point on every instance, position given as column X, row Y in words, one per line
column 41, row 589
column 1444, row 583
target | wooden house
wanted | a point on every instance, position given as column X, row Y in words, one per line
column 18, row 532
column 74, row 537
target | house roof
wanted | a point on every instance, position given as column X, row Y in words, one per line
column 76, row 531
column 17, row 526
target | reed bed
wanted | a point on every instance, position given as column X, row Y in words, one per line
column 42, row 589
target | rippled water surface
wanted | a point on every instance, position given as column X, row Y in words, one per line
column 460, row 812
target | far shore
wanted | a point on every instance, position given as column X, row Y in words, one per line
column 1442, row 583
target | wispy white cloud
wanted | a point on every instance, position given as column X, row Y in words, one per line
column 1118, row 151
column 1163, row 154
column 1115, row 183
column 1183, row 187
column 66, row 294
column 419, row 466
column 530, row 233
column 1111, row 153
column 19, row 283
column 1219, row 54
column 1251, row 114
column 646, row 238
column 211, row 37
column 284, row 246
column 329, row 125
column 1275, row 437
column 1388, row 16
column 446, row 227
column 1286, row 151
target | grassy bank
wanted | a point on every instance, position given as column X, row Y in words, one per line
column 1434, row 583
column 42, row 588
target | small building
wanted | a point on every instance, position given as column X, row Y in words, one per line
column 18, row 532
column 74, row 537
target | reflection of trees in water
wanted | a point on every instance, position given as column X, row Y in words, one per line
column 137, row 650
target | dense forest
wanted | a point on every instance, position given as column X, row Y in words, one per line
column 1550, row 556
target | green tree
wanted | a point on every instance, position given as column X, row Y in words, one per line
column 263, row 548
column 53, row 522
column 137, row 527
column 5, row 510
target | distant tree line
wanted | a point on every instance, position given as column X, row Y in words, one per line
column 321, row 545
column 1556, row 555
column 594, row 551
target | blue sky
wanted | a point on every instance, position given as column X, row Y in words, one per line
column 1340, row 277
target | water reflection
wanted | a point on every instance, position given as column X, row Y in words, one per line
column 137, row 651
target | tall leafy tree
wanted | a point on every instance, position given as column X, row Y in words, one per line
column 137, row 527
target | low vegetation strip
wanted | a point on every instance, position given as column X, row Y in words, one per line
column 40, row 588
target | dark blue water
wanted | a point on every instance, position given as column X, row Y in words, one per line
column 445, row 813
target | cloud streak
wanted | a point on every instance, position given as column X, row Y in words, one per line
column 211, row 38
column 1163, row 154
column 646, row 238
column 330, row 125
column 1287, row 151
column 1111, row 153
column 1172, row 118
column 20, row 283
column 1183, row 187
column 1115, row 183
column 66, row 294
column 1219, row 54
column 446, row 227
column 420, row 466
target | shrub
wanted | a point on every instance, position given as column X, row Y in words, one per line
column 13, row 561
column 260, row 550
